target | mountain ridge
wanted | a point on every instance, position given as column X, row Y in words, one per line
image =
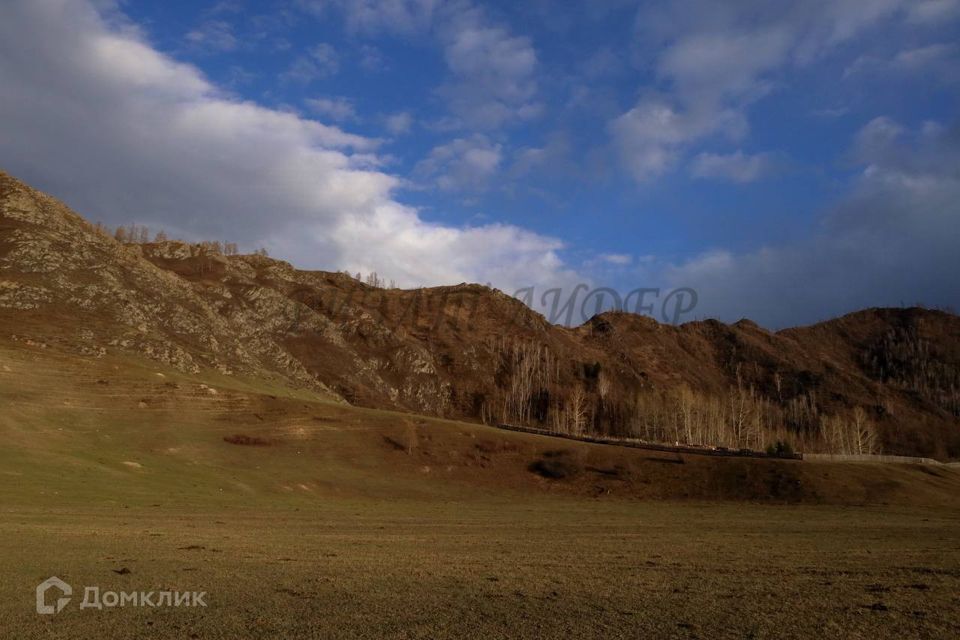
column 875, row 379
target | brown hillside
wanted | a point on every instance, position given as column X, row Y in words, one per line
column 879, row 379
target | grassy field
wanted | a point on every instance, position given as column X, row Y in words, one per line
column 546, row 568
column 350, row 523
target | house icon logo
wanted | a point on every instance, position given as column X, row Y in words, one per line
column 42, row 588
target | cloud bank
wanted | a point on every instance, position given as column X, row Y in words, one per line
column 892, row 241
column 123, row 133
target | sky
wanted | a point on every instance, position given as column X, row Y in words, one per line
column 789, row 162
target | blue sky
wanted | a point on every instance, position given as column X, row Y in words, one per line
column 790, row 161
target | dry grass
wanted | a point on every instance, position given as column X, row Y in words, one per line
column 549, row 568
column 369, row 524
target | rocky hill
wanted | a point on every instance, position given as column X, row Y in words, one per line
column 879, row 379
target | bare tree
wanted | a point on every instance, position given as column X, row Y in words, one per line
column 578, row 411
column 864, row 434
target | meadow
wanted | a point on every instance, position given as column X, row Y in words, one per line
column 337, row 522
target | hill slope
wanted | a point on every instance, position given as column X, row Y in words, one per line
column 122, row 429
column 878, row 379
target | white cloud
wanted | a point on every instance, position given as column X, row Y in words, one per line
column 876, row 138
column 714, row 59
column 712, row 67
column 338, row 109
column 462, row 164
column 735, row 167
column 123, row 133
column 493, row 71
column 554, row 157
column 651, row 135
column 399, row 123
column 373, row 17
column 213, row 35
column 320, row 61
column 399, row 244
column 619, row 259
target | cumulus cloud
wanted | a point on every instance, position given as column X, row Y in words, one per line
column 650, row 135
column 338, row 109
column 123, row 133
column 505, row 255
column 320, row 61
column 554, row 157
column 492, row 71
column 399, row 123
column 715, row 66
column 213, row 35
column 372, row 17
column 734, row 167
column 714, row 59
column 463, row 164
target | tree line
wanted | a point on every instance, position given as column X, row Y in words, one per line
column 534, row 388
column 141, row 234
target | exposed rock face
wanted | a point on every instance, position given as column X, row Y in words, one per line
column 472, row 352
column 68, row 276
